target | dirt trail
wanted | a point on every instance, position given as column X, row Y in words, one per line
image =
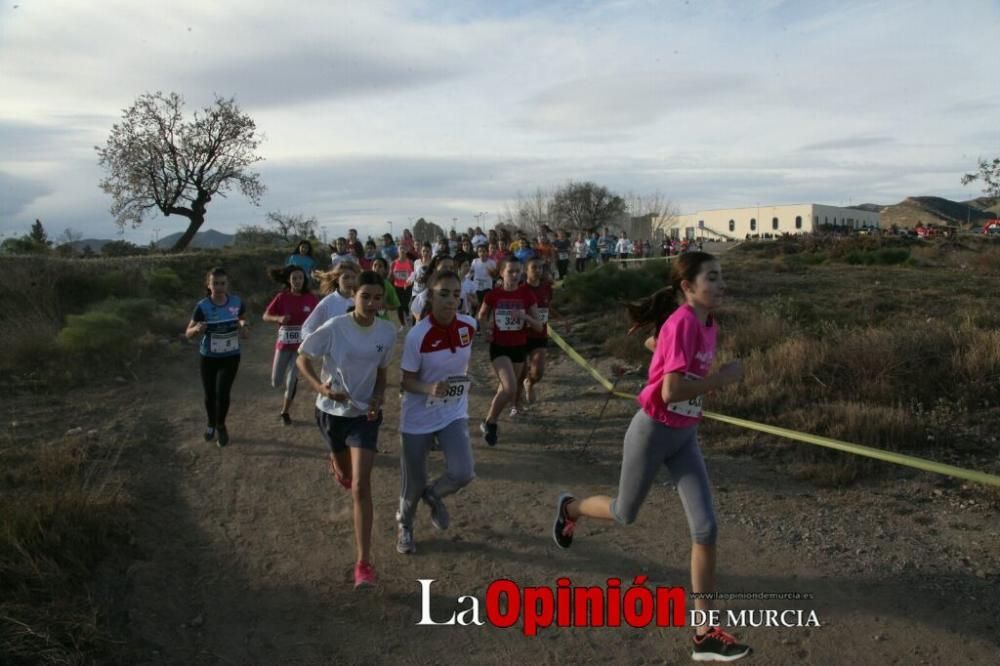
column 248, row 550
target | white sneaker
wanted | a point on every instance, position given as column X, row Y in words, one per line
column 404, row 541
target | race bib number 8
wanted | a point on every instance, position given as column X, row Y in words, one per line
column 224, row 343
column 509, row 320
column 458, row 388
column 290, row 335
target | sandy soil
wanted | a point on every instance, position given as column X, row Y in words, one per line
column 246, row 553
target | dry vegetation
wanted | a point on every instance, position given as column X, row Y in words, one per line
column 900, row 352
column 64, row 512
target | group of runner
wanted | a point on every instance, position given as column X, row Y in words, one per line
column 350, row 333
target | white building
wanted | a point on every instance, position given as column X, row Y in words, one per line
column 765, row 221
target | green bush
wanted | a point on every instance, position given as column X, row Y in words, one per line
column 96, row 331
column 609, row 285
column 137, row 311
column 165, row 284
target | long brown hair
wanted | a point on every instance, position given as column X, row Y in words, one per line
column 655, row 309
column 330, row 280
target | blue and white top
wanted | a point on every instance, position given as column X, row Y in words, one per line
column 222, row 338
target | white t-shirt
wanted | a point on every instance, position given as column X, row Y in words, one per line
column 332, row 305
column 582, row 249
column 337, row 259
column 481, row 273
column 417, row 303
column 437, row 354
column 624, row 246
column 468, row 294
column 352, row 355
column 480, row 239
column 419, row 271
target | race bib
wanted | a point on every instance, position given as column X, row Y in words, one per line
column 689, row 408
column 401, row 275
column 484, row 284
column 543, row 315
column 564, row 255
column 508, row 320
column 458, row 388
column 224, row 343
column 290, row 335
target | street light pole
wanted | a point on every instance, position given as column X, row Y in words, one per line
column 389, row 222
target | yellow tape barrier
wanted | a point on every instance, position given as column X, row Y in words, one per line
column 856, row 449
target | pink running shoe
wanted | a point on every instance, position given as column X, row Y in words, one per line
column 364, row 575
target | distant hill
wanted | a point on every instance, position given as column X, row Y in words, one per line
column 871, row 208
column 203, row 239
column 934, row 210
column 95, row 244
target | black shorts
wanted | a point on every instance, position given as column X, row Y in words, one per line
column 341, row 432
column 515, row 354
column 536, row 343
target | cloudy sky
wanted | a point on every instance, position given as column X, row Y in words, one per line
column 379, row 110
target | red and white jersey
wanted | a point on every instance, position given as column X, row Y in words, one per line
column 437, row 353
column 543, row 294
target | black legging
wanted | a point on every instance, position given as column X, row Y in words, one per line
column 563, row 265
column 581, row 264
column 217, row 377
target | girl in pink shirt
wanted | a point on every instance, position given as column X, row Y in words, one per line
column 665, row 429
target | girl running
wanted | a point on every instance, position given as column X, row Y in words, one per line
column 338, row 285
column 220, row 320
column 391, row 301
column 484, row 272
column 537, row 341
column 435, row 368
column 303, row 258
column 664, row 431
column 356, row 349
column 402, row 270
column 419, row 305
column 289, row 310
column 504, row 313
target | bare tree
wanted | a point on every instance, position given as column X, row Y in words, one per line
column 586, row 206
column 658, row 206
column 293, row 227
column 989, row 174
column 156, row 159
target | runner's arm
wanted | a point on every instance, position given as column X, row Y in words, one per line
column 413, row 385
column 195, row 328
column 676, row 388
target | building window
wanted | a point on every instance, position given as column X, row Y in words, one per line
column 798, row 221
column 774, row 223
column 826, row 220
column 817, row 220
column 732, row 225
column 753, row 224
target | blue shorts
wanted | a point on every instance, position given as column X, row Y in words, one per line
column 341, row 432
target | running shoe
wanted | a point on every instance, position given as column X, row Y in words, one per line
column 439, row 512
column 342, row 480
column 286, row 419
column 364, row 575
column 223, row 436
column 489, row 431
column 717, row 645
column 562, row 527
column 209, row 434
column 404, row 541
column 513, row 412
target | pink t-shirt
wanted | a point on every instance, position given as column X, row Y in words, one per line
column 683, row 345
column 297, row 307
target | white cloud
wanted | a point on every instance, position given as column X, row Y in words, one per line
column 386, row 110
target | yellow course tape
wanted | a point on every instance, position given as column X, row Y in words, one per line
column 856, row 449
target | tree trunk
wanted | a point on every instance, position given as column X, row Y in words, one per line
column 188, row 236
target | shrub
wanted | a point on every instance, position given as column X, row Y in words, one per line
column 165, row 284
column 95, row 331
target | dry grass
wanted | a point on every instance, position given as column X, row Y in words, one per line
column 894, row 356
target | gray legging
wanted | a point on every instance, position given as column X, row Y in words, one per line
column 454, row 442
column 649, row 444
column 284, row 369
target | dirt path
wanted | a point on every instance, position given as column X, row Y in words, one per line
column 248, row 551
